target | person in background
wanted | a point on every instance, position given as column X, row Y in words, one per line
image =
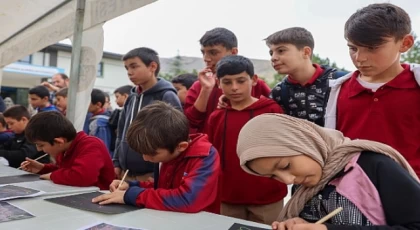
column 39, row 98
column 182, row 84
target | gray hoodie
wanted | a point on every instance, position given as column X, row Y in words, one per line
column 125, row 157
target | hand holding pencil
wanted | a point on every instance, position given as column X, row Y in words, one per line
column 119, row 184
column 33, row 166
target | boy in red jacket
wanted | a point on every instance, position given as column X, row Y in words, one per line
column 81, row 160
column 243, row 196
column 189, row 171
column 203, row 96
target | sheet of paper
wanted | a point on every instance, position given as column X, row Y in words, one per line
column 107, row 226
column 8, row 192
column 56, row 189
column 237, row 226
column 19, row 178
column 84, row 202
column 9, row 212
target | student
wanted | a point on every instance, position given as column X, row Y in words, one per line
column 98, row 122
column 243, row 196
column 81, row 160
column 190, row 165
column 372, row 182
column 182, row 84
column 142, row 65
column 61, row 100
column 5, row 134
column 39, row 98
column 202, row 97
column 121, row 94
column 18, row 148
column 381, row 100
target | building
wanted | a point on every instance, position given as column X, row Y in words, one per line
column 30, row 71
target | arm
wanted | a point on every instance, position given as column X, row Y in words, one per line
column 142, row 184
column 197, row 191
column 195, row 98
column 48, row 168
column 171, row 98
column 275, row 94
column 120, row 130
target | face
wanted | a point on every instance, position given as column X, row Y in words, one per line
column 53, row 150
column 107, row 103
column 16, row 126
column 61, row 103
column 373, row 61
column 120, row 99
column 287, row 58
column 138, row 72
column 182, row 91
column 58, row 81
column 237, row 88
column 213, row 54
column 163, row 155
column 299, row 169
column 94, row 108
column 37, row 102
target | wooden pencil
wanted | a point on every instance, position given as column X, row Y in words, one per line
column 329, row 216
column 36, row 159
column 122, row 180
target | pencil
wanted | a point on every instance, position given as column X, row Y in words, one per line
column 329, row 216
column 122, row 180
column 36, row 159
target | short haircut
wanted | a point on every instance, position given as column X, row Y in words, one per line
column 48, row 125
column 158, row 125
column 146, row 55
column 219, row 36
column 2, row 121
column 62, row 92
column 370, row 25
column 96, row 96
column 126, row 89
column 297, row 36
column 234, row 64
column 17, row 112
column 41, row 91
column 63, row 76
column 186, row 79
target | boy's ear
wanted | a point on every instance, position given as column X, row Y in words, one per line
column 183, row 146
column 254, row 80
column 153, row 66
column 218, row 83
column 307, row 52
column 59, row 140
column 24, row 119
column 234, row 50
column 407, row 43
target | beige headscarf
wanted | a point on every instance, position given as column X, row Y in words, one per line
column 276, row 135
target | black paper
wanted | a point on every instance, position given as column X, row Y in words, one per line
column 84, row 202
column 19, row 178
column 237, row 226
column 9, row 212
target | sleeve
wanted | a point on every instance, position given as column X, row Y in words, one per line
column 400, row 196
column 104, row 133
column 17, row 156
column 48, row 168
column 210, row 132
column 195, row 117
column 197, row 190
column 264, row 88
column 120, row 130
column 171, row 98
column 85, row 168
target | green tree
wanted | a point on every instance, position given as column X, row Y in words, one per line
column 177, row 65
column 413, row 55
column 325, row 61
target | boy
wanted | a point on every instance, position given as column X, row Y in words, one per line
column 381, row 100
column 302, row 93
column 39, row 98
column 61, row 100
column 121, row 94
column 5, row 134
column 182, row 84
column 98, row 122
column 18, row 148
column 142, row 65
column 203, row 96
column 81, row 160
column 190, row 165
column 243, row 196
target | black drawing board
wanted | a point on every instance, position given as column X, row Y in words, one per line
column 19, row 178
column 9, row 212
column 84, row 202
column 237, row 226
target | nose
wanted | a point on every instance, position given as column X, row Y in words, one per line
column 38, row 149
column 360, row 57
column 146, row 157
column 206, row 58
column 274, row 58
column 286, row 178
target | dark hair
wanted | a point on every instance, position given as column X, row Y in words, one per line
column 186, row 79
column 158, row 125
column 219, row 36
column 63, row 76
column 146, row 55
column 41, row 91
column 48, row 125
column 297, row 36
column 234, row 64
column 62, row 92
column 17, row 112
column 96, row 96
column 370, row 25
column 2, row 121
column 126, row 89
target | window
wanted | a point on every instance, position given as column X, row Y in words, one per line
column 27, row 59
column 100, row 70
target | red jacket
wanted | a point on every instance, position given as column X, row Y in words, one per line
column 197, row 119
column 239, row 187
column 186, row 184
column 85, row 163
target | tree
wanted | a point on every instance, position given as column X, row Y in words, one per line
column 413, row 55
column 177, row 65
column 325, row 61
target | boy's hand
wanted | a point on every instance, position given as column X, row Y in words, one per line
column 288, row 224
column 46, row 176
column 222, row 102
column 207, row 79
column 30, row 165
column 117, row 172
column 116, row 197
column 114, row 186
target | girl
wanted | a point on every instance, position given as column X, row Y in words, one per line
column 371, row 181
